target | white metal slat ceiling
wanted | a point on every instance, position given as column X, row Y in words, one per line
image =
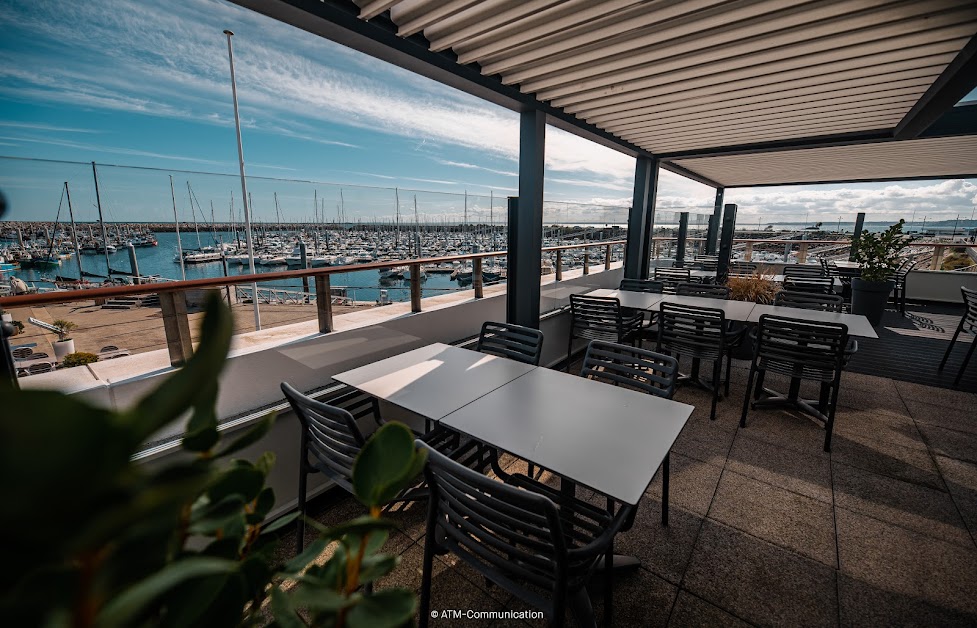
column 935, row 157
column 674, row 76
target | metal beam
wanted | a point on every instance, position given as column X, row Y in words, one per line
column 526, row 224
column 859, row 223
column 339, row 21
column 641, row 212
column 726, row 243
column 683, row 232
column 712, row 234
column 955, row 82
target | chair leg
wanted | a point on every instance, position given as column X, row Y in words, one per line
column 716, row 381
column 580, row 606
column 569, row 352
column 426, row 576
column 963, row 367
column 830, row 424
column 953, row 341
column 300, row 522
column 609, row 586
column 665, row 491
column 759, row 385
column 729, row 367
column 749, row 386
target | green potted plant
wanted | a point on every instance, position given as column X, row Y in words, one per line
column 78, row 359
column 100, row 539
column 878, row 255
column 65, row 344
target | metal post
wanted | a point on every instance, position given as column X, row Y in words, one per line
column 74, row 233
column 937, row 262
column 559, row 265
column 133, row 264
column 105, row 237
column 607, row 257
column 323, row 303
column 526, row 224
column 415, row 287
column 304, row 260
column 802, row 252
column 176, row 326
column 683, row 232
column 859, row 222
column 712, row 233
column 227, row 288
column 748, row 256
column 176, row 221
column 641, row 218
column 477, row 276
column 586, row 262
column 245, row 199
column 726, row 243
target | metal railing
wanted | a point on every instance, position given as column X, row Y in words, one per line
column 173, row 302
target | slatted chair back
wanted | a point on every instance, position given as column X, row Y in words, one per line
column 712, row 291
column 672, row 277
column 640, row 369
column 108, row 348
column 595, row 318
column 512, row 536
column 331, row 440
column 22, row 352
column 696, row 332
column 737, row 267
column 803, row 349
column 642, row 285
column 809, row 301
column 825, row 270
column 41, row 367
column 970, row 316
column 906, row 267
column 816, row 285
column 38, row 355
column 707, row 262
column 803, row 270
column 515, row 342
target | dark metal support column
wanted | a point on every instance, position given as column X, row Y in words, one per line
column 683, row 232
column 859, row 222
column 726, row 243
column 712, row 234
column 526, row 224
column 641, row 218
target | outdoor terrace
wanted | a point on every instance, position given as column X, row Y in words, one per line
column 767, row 529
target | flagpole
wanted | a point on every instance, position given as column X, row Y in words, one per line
column 244, row 185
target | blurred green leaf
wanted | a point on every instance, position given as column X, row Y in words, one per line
column 250, row 437
column 210, row 517
column 280, row 522
column 361, row 525
column 318, row 599
column 246, row 482
column 386, row 465
column 131, row 602
column 390, row 608
column 310, row 553
column 377, row 566
column 281, row 608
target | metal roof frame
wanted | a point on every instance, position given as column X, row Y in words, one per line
column 368, row 26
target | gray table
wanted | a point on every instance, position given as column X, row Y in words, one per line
column 435, row 380
column 857, row 324
column 702, row 274
column 846, row 265
column 608, row 438
column 629, row 299
column 733, row 310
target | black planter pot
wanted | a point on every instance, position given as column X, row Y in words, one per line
column 868, row 298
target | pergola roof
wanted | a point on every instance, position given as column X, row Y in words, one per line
column 680, row 78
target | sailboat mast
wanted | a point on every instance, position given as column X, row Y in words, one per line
column 176, row 221
column 74, row 233
column 101, row 221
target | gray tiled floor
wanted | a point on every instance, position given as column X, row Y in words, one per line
column 768, row 529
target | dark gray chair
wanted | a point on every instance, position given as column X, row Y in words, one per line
column 809, row 301
column 899, row 277
column 816, row 285
column 672, row 277
column 706, row 262
column 515, row 342
column 798, row 349
column 530, row 540
column 803, row 270
column 638, row 369
column 651, row 286
column 601, row 318
column 710, row 291
column 968, row 325
column 699, row 333
column 738, row 267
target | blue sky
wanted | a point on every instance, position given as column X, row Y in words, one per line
column 147, row 84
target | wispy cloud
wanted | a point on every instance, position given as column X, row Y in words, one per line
column 44, row 127
column 116, row 150
column 468, row 166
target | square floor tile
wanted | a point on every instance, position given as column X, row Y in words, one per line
column 907, row 563
column 807, row 473
column 795, row 522
column 692, row 483
column 694, row 612
column 760, row 582
column 885, row 458
column 664, row 551
column 941, row 416
column 950, row 443
column 961, row 480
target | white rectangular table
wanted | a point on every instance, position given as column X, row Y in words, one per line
column 629, row 299
column 609, row 438
column 857, row 324
column 733, row 310
column 435, row 380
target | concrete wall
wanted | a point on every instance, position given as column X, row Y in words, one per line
column 938, row 285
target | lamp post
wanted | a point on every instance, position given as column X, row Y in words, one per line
column 244, row 184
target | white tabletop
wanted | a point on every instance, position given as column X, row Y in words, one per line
column 609, row 438
column 857, row 324
column 702, row 274
column 434, row 380
column 846, row 264
column 633, row 300
column 733, row 310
